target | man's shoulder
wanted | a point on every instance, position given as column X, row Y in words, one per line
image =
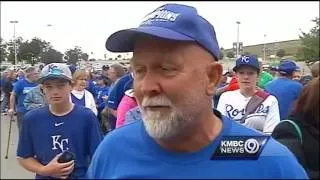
column 272, row 149
column 237, row 129
column 122, row 136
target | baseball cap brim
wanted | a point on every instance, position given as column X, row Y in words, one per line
column 123, row 41
column 245, row 65
column 52, row 77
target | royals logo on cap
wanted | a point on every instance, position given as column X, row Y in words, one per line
column 250, row 61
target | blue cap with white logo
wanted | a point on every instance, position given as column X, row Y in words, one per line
column 170, row 21
column 55, row 71
column 251, row 61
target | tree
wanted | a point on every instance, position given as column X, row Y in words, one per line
column 10, row 49
column 73, row 55
column 221, row 55
column 85, row 56
column 246, row 53
column 29, row 51
column 51, row 56
column 230, row 54
column 3, row 50
column 280, row 53
column 310, row 43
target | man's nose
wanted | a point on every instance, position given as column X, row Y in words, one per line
column 149, row 85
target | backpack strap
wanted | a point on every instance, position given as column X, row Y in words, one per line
column 296, row 126
column 256, row 100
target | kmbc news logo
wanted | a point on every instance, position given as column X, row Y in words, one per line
column 240, row 147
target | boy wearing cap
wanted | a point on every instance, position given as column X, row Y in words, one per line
column 284, row 88
column 61, row 126
column 175, row 72
column 233, row 103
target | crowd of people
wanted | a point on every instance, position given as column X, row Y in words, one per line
column 164, row 115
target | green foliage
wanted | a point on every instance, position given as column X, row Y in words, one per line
column 230, row 54
column 3, row 50
column 51, row 56
column 73, row 55
column 280, row 53
column 310, row 43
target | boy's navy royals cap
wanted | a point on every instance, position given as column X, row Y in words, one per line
column 170, row 21
column 251, row 61
column 55, row 71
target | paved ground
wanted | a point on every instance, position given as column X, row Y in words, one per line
column 10, row 168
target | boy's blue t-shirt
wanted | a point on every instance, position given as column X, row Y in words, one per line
column 21, row 88
column 286, row 91
column 129, row 152
column 45, row 135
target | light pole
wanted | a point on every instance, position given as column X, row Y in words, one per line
column 264, row 48
column 14, row 40
column 238, row 22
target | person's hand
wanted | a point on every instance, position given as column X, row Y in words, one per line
column 11, row 112
column 56, row 169
column 104, row 97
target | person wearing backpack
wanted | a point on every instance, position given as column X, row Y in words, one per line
column 300, row 132
column 249, row 105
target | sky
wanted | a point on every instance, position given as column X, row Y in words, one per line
column 89, row 24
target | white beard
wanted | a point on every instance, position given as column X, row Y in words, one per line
column 164, row 125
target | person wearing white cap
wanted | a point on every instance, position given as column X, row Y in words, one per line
column 62, row 126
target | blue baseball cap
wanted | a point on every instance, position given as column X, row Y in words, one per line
column 251, row 61
column 170, row 21
column 287, row 67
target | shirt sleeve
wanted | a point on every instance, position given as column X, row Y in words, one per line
column 273, row 116
column 115, row 95
column 17, row 88
column 25, row 144
column 125, row 105
column 222, row 104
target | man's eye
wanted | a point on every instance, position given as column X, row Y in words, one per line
column 138, row 71
column 166, row 69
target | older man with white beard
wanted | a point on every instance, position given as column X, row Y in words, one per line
column 176, row 71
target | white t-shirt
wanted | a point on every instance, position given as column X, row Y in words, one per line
column 232, row 104
column 89, row 99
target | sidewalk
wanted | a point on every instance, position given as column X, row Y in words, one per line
column 10, row 168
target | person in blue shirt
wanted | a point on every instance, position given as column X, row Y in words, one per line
column 91, row 87
column 109, row 113
column 19, row 92
column 115, row 95
column 102, row 91
column 284, row 88
column 175, row 68
column 61, row 126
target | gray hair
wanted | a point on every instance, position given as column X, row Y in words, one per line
column 119, row 69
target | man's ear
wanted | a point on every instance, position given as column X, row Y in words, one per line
column 214, row 71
